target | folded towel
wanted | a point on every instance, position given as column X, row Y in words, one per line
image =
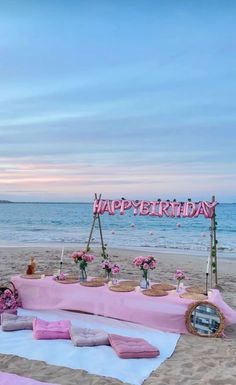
column 48, row 330
column 128, row 347
column 88, row 337
column 11, row 322
column 8, row 311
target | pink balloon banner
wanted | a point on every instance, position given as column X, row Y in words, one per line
column 155, row 208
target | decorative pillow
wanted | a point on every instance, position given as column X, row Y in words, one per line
column 45, row 330
column 12, row 322
column 128, row 347
column 88, row 337
column 7, row 311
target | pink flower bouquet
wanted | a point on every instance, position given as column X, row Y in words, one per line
column 7, row 301
column 82, row 258
column 180, row 275
column 110, row 268
column 115, row 269
column 145, row 264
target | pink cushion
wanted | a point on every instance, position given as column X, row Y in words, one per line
column 45, row 330
column 8, row 311
column 88, row 337
column 128, row 347
column 11, row 322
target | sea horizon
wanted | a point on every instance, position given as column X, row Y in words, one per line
column 51, row 223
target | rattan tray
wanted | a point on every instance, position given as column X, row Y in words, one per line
column 194, row 296
column 99, row 279
column 195, row 289
column 67, row 280
column 92, row 283
column 31, row 276
column 163, row 286
column 121, row 289
column 129, row 283
column 46, row 273
column 154, row 293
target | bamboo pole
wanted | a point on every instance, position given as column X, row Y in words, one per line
column 92, row 227
column 215, row 271
column 97, row 217
column 211, row 254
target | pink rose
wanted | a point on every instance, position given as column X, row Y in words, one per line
column 138, row 261
column 88, row 257
column 115, row 269
column 153, row 264
column 146, row 266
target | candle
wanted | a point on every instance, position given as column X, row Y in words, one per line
column 208, row 265
column 62, row 252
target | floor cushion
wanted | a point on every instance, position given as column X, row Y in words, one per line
column 48, row 330
column 7, row 311
column 11, row 322
column 88, row 337
column 129, row 347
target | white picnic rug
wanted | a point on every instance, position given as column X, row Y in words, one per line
column 100, row 360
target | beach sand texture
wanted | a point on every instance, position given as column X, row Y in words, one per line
column 196, row 360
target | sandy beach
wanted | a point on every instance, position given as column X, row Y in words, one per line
column 195, row 361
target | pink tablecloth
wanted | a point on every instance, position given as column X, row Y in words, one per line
column 13, row 379
column 164, row 313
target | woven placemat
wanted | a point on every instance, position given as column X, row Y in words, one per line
column 195, row 289
column 31, row 276
column 99, row 279
column 129, row 283
column 121, row 289
column 194, row 296
column 46, row 273
column 154, row 293
column 67, row 280
column 92, row 283
column 163, row 286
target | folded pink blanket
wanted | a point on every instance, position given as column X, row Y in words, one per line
column 45, row 330
column 88, row 337
column 128, row 347
column 11, row 322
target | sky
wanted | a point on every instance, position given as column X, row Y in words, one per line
column 127, row 98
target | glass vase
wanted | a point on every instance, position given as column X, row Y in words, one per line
column 144, row 283
column 83, row 275
column 179, row 286
column 107, row 276
column 114, row 281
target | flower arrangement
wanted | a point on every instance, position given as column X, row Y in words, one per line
column 145, row 264
column 82, row 258
column 7, row 300
column 110, row 268
column 179, row 276
column 115, row 269
column 62, row 276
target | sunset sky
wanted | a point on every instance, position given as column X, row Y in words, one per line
column 133, row 98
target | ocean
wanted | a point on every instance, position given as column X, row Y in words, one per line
column 54, row 223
